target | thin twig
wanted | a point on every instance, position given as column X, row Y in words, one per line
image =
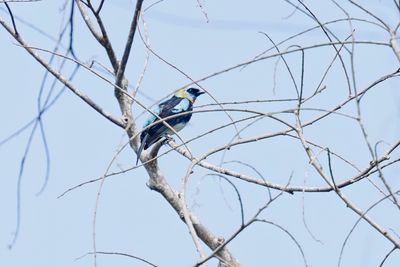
column 118, row 254
column 12, row 19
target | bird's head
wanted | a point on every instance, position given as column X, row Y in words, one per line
column 189, row 93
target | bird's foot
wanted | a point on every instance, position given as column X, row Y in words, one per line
column 168, row 138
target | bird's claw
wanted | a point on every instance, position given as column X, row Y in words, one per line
column 168, row 138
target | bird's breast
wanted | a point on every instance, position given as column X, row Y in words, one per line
column 179, row 126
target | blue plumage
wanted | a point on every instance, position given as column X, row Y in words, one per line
column 181, row 102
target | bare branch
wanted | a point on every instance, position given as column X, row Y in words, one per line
column 355, row 225
column 387, row 256
column 370, row 13
column 101, row 37
column 121, row 69
column 12, row 19
column 314, row 162
column 62, row 79
column 119, row 254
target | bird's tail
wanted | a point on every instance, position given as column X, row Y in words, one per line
column 143, row 143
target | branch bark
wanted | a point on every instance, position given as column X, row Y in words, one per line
column 158, row 183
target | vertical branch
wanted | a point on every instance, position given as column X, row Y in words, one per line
column 185, row 210
column 284, row 61
column 393, row 42
column 146, row 61
column 12, row 18
column 317, row 166
column 333, row 45
column 158, row 183
column 102, row 36
column 71, row 30
column 382, row 177
column 100, row 7
column 125, row 103
column 128, row 45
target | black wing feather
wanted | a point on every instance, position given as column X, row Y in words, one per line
column 155, row 132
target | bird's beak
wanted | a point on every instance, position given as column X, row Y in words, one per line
column 200, row 93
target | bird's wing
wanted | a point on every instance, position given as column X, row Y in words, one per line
column 174, row 106
column 167, row 108
column 152, row 117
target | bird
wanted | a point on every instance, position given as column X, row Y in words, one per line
column 181, row 102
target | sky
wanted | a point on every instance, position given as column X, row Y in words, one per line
column 133, row 219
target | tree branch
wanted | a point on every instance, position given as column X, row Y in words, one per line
column 62, row 79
